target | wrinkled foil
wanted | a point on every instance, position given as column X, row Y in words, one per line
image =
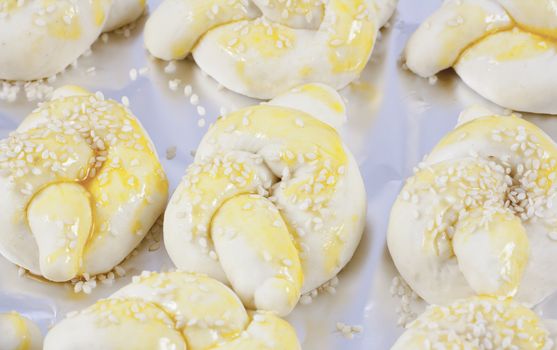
column 394, row 119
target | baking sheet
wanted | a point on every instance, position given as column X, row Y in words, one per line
column 394, row 119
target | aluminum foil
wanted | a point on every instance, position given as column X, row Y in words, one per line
column 394, row 119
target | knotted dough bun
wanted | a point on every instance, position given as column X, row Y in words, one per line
column 81, row 186
column 174, row 310
column 264, row 48
column 479, row 215
column 478, row 323
column 505, row 50
column 274, row 203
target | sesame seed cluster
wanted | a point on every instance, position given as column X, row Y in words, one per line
column 255, row 40
column 283, row 11
column 286, row 173
column 169, row 311
column 43, row 13
column 477, row 323
column 92, row 158
column 96, row 122
column 478, row 218
column 490, row 173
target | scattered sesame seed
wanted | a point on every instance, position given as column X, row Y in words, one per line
column 125, row 101
column 188, row 90
column 171, row 152
column 170, row 67
column 133, row 74
column 194, row 99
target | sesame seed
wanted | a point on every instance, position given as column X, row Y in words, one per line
column 170, row 67
column 171, row 152
column 133, row 74
column 173, row 84
column 188, row 90
column 40, row 22
column 194, row 99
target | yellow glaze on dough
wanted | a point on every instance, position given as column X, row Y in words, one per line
column 99, row 13
column 355, row 33
column 134, row 324
column 267, row 235
column 85, row 162
column 41, row 38
column 174, row 310
column 300, row 7
column 18, row 332
column 486, row 127
column 262, row 36
column 536, row 16
column 508, row 244
column 317, row 92
column 502, row 49
column 187, row 27
column 480, row 207
column 512, row 45
column 8, row 6
column 65, row 22
column 261, row 206
column 471, row 15
column 315, row 142
column 266, row 48
column 21, row 330
column 73, row 217
column 454, row 326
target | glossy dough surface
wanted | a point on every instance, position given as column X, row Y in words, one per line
column 477, row 323
column 273, row 204
column 503, row 49
column 174, row 310
column 81, row 186
column 479, row 215
column 41, row 38
column 264, row 48
column 19, row 333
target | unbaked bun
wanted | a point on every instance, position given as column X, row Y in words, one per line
column 503, row 49
column 478, row 323
column 39, row 39
column 81, row 186
column 264, row 48
column 19, row 333
column 479, row 214
column 174, row 310
column 273, row 204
